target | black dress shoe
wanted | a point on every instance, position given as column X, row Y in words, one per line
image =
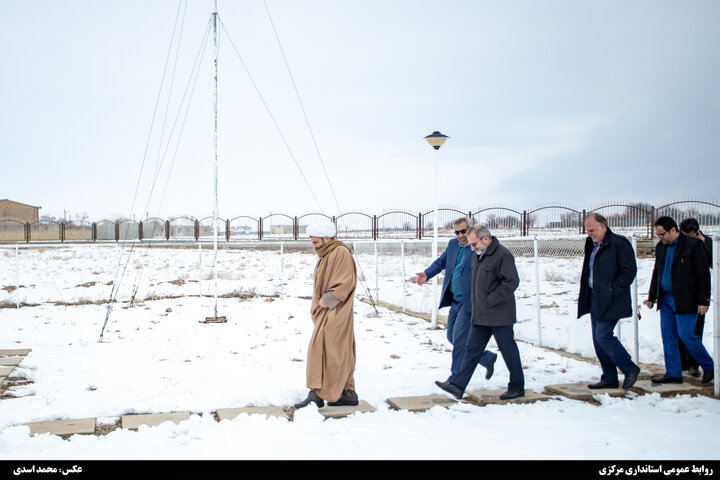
column 601, row 384
column 707, row 377
column 451, row 388
column 694, row 371
column 666, row 379
column 510, row 395
column 491, row 367
column 312, row 397
column 348, row 397
column 631, row 378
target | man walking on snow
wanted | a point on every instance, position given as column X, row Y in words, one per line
column 331, row 353
column 456, row 294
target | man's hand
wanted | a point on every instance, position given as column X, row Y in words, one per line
column 322, row 304
column 649, row 304
column 702, row 309
column 421, row 278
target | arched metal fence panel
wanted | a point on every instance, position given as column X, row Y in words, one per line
column 706, row 213
column 206, row 230
column 502, row 221
column 12, row 231
column 446, row 221
column 553, row 220
column 355, row 225
column 397, row 224
column 278, row 226
column 45, row 231
column 128, row 230
column 105, row 230
column 244, row 227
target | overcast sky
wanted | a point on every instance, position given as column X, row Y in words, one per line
column 571, row 101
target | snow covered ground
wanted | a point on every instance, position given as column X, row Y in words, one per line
column 157, row 357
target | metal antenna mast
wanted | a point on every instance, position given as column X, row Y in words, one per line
column 215, row 318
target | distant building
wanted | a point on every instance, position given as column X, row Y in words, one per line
column 281, row 229
column 17, row 211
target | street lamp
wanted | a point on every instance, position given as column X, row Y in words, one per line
column 436, row 140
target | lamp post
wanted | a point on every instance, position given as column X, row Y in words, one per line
column 436, row 140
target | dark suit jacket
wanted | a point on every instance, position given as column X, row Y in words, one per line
column 446, row 262
column 613, row 272
column 690, row 275
column 494, row 281
column 708, row 248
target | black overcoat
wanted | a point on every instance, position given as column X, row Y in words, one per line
column 690, row 275
column 494, row 281
column 613, row 272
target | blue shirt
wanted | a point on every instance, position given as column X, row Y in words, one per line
column 456, row 280
column 666, row 280
column 592, row 263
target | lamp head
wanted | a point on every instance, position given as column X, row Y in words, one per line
column 436, row 139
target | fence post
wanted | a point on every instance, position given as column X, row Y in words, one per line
column 62, row 232
column 419, row 232
column 584, row 216
column 227, row 230
column 296, row 228
column 94, row 232
column 282, row 269
column 117, row 231
column 524, row 224
column 374, row 229
column 260, row 228
column 27, row 232
column 650, row 222
column 167, row 230
column 537, row 290
column 140, row 230
column 402, row 256
column 635, row 306
column 716, row 312
column 17, row 276
column 197, row 230
column 377, row 284
column 200, row 263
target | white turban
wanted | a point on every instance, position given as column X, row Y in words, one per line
column 324, row 229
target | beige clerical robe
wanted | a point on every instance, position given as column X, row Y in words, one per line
column 331, row 354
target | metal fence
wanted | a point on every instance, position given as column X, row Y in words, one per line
column 504, row 221
column 79, row 274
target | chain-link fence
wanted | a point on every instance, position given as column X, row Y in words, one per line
column 81, row 273
column 549, row 270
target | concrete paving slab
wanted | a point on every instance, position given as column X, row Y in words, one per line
column 421, row 403
column 63, row 427
column 5, row 371
column 15, row 352
column 580, row 391
column 345, row 410
column 152, row 419
column 230, row 413
column 10, row 361
column 668, row 388
column 488, row 397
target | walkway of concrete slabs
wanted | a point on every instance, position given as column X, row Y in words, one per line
column 9, row 359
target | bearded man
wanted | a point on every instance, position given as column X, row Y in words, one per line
column 331, row 353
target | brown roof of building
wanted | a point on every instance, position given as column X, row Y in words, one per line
column 19, row 203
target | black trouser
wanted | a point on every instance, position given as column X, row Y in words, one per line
column 687, row 361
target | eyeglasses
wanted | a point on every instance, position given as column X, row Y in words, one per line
column 661, row 234
column 458, row 232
